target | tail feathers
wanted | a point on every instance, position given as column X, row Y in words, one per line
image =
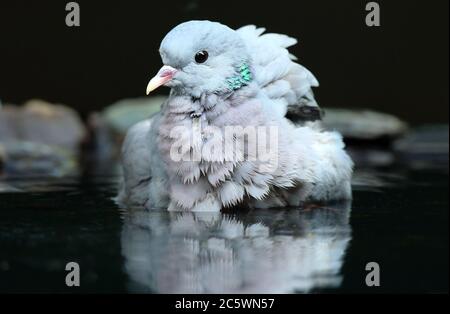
column 333, row 170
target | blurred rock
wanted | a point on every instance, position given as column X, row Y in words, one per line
column 364, row 124
column 127, row 112
column 109, row 127
column 9, row 119
column 40, row 137
column 42, row 122
column 52, row 124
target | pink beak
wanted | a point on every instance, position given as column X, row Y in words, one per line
column 164, row 75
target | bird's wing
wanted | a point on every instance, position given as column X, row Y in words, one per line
column 136, row 162
column 282, row 79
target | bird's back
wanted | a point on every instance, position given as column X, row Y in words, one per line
column 286, row 82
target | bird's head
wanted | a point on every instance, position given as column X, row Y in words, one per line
column 202, row 57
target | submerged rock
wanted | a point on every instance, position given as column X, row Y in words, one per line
column 30, row 159
column 2, row 157
column 425, row 147
column 364, row 124
column 371, row 157
column 7, row 188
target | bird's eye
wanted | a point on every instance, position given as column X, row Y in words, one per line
column 201, row 56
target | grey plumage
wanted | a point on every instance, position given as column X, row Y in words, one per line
column 286, row 82
column 248, row 80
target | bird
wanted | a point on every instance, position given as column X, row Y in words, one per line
column 222, row 138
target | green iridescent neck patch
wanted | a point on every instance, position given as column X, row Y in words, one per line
column 242, row 79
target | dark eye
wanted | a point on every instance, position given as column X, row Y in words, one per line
column 201, row 56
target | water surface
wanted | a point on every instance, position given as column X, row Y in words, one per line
column 398, row 218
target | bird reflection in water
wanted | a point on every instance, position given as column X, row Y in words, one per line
column 260, row 251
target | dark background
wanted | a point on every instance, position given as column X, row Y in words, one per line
column 400, row 67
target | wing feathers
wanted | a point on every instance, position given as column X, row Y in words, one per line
column 286, row 82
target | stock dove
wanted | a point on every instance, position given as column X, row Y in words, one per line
column 222, row 137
